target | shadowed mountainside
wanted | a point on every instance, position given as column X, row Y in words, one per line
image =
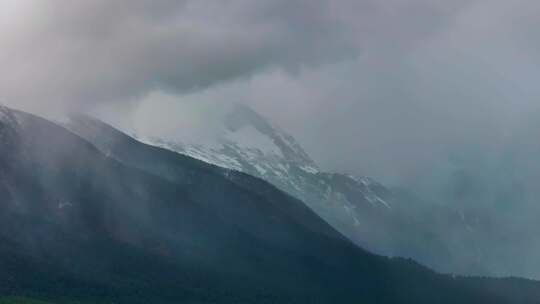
column 131, row 223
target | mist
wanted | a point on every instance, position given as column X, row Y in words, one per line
column 418, row 94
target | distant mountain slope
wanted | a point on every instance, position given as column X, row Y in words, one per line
column 125, row 222
column 359, row 207
column 244, row 141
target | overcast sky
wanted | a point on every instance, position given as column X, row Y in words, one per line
column 383, row 88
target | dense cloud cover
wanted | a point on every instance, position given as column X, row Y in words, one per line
column 323, row 60
column 382, row 88
column 388, row 86
column 87, row 52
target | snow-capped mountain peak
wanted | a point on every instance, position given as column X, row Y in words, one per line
column 243, row 117
column 247, row 142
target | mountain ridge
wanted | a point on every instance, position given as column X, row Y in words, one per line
column 140, row 224
column 341, row 199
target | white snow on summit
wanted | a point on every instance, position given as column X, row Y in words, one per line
column 247, row 142
column 248, row 138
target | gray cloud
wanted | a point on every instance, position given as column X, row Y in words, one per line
column 86, row 52
column 430, row 78
column 363, row 77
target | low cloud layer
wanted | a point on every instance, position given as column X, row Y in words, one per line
column 381, row 88
column 429, row 80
